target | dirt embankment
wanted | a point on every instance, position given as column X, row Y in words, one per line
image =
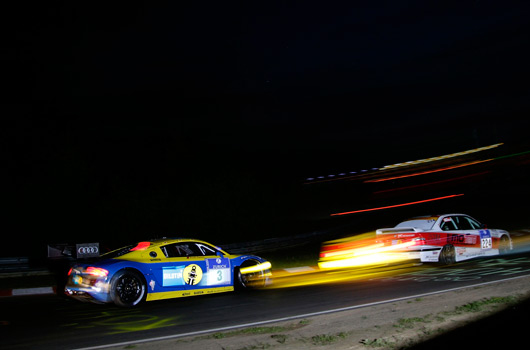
column 421, row 322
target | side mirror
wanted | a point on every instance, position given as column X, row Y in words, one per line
column 219, row 254
column 484, row 226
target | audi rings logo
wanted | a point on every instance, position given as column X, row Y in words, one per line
column 87, row 250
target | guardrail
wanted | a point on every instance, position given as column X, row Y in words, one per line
column 14, row 264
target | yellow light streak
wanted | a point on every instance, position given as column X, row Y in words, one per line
column 376, row 254
column 255, row 268
column 316, row 276
column 452, row 155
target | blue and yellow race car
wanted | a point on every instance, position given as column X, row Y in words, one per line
column 163, row 269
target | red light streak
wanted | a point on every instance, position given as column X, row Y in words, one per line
column 398, row 205
column 432, row 183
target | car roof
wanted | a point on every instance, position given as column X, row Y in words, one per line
column 434, row 217
column 164, row 241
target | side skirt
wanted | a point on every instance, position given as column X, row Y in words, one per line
column 187, row 293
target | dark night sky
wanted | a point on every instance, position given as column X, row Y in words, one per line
column 204, row 116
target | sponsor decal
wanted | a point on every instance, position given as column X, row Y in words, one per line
column 218, row 263
column 470, row 239
column 172, row 276
column 405, row 235
column 485, row 239
column 192, row 274
column 218, row 271
column 187, row 293
column 429, row 256
column 453, row 239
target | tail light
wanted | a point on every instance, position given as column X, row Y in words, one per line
column 419, row 241
column 141, row 246
column 96, row 271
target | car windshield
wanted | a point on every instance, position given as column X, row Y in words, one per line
column 424, row 224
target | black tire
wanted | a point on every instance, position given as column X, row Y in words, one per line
column 504, row 245
column 127, row 288
column 447, row 255
column 251, row 280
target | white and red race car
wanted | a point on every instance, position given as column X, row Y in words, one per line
column 446, row 238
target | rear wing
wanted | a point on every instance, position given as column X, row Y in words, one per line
column 383, row 231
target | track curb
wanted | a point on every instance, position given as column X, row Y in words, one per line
column 27, row 291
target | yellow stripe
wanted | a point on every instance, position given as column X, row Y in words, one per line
column 452, row 155
column 187, row 293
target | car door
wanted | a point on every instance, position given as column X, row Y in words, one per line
column 484, row 238
column 177, row 271
column 459, row 232
column 193, row 266
column 213, row 266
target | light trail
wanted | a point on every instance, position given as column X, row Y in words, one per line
column 433, row 183
column 362, row 173
column 429, row 171
column 318, row 275
column 398, row 205
column 452, row 155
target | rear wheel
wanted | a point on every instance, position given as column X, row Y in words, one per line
column 504, row 245
column 249, row 280
column 447, row 255
column 127, row 288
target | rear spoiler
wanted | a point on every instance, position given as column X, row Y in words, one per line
column 397, row 229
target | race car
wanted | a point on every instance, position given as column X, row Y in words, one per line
column 447, row 238
column 163, row 269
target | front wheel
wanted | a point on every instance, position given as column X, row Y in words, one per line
column 249, row 280
column 127, row 288
column 447, row 255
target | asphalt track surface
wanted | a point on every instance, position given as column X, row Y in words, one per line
column 56, row 322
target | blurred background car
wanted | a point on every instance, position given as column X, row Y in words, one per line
column 446, row 239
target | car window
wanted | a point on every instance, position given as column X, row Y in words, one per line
column 475, row 225
column 184, row 249
column 206, row 250
column 462, row 223
column 448, row 224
